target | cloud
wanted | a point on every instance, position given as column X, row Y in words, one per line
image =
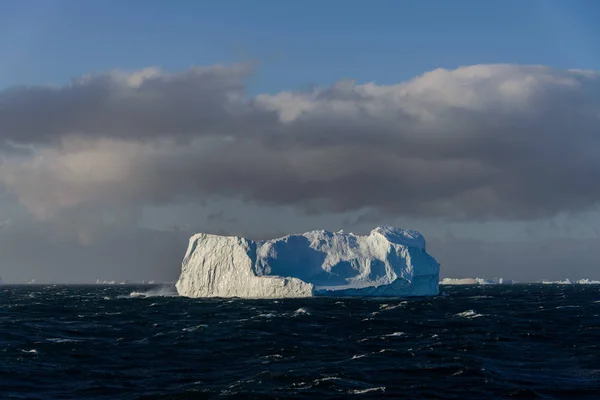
column 479, row 142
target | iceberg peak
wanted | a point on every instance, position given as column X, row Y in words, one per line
column 388, row 261
column 404, row 237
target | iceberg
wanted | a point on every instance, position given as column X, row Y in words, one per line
column 387, row 262
column 588, row 282
column 569, row 282
column 472, row 281
column 565, row 282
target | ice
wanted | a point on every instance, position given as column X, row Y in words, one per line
column 569, row 282
column 588, row 282
column 219, row 266
column 471, row 281
column 99, row 282
column 565, row 282
column 387, row 262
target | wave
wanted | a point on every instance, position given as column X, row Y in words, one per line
column 469, row 314
column 368, row 390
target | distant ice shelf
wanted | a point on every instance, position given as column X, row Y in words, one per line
column 500, row 281
column 569, row 282
column 387, row 262
column 472, row 281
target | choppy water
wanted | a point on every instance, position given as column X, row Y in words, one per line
column 482, row 342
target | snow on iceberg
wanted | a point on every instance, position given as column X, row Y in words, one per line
column 388, row 262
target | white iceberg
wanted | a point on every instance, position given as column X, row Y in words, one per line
column 569, row 282
column 471, row 281
column 387, row 262
column 565, row 282
column 588, row 282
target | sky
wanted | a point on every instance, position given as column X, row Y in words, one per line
column 128, row 126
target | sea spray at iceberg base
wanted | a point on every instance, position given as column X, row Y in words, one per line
column 387, row 262
column 159, row 291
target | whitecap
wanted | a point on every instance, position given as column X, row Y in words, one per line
column 32, row 351
column 357, row 356
column 326, row 378
column 387, row 307
column 395, row 334
column 194, row 328
column 62, row 340
column 273, row 356
column 469, row 314
column 301, row 385
column 368, row 390
column 266, row 315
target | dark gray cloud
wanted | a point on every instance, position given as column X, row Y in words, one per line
column 143, row 105
column 480, row 142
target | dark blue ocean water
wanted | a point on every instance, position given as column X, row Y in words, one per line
column 477, row 342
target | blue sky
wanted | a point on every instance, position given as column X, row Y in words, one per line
column 297, row 43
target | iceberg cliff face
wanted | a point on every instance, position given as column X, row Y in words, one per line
column 387, row 262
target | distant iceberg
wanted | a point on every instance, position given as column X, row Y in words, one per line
column 99, row 282
column 388, row 262
column 565, row 282
column 569, row 282
column 471, row 281
column 588, row 282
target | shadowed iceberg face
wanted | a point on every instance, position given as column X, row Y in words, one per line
column 387, row 262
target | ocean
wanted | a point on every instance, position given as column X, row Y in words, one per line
column 471, row 342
